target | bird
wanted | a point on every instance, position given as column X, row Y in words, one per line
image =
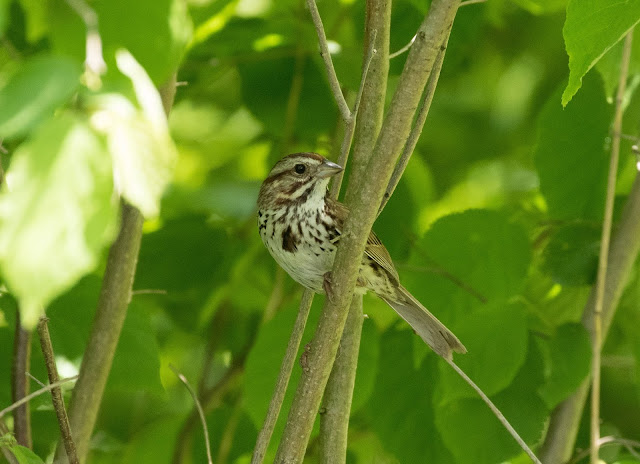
column 300, row 225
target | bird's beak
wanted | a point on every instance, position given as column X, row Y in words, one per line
column 328, row 169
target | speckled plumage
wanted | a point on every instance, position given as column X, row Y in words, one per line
column 300, row 226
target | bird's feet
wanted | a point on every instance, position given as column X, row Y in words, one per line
column 327, row 285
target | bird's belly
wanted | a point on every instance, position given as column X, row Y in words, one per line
column 304, row 260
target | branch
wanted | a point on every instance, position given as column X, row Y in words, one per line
column 363, row 201
column 264, row 436
column 56, row 392
column 625, row 245
column 326, row 56
column 604, row 252
column 19, row 383
column 31, row 396
column 336, row 407
column 416, row 131
column 374, row 88
column 351, row 123
column 113, row 302
column 629, row 445
column 203, row 419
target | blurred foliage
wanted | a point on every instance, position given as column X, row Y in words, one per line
column 494, row 227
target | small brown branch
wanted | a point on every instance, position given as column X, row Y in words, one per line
column 503, row 420
column 336, row 406
column 416, row 131
column 326, row 56
column 264, row 436
column 39, row 392
column 403, row 49
column 19, row 383
column 604, row 252
column 56, row 392
column 203, row 419
column 350, row 124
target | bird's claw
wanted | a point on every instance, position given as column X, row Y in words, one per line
column 327, row 285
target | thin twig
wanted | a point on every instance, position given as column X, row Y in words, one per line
column 472, row 2
column 326, row 56
column 56, row 393
column 31, row 396
column 19, row 383
column 416, row 130
column 264, row 436
column 350, row 126
column 36, row 379
column 403, row 49
column 203, row 419
column 604, row 251
column 629, row 445
column 495, row 411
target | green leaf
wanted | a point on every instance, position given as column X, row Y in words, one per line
column 136, row 364
column 138, row 138
column 569, row 358
column 367, row 365
column 609, row 64
column 58, row 215
column 486, row 333
column 4, row 6
column 472, row 432
column 154, row 442
column 401, row 402
column 22, row 454
column 482, row 249
column 37, row 20
column 592, row 27
column 38, row 87
column 156, row 32
column 572, row 254
column 570, row 156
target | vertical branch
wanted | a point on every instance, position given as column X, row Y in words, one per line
column 113, row 302
column 264, row 436
column 336, row 407
column 416, row 131
column 56, row 393
column 604, row 252
column 363, row 201
column 20, row 384
column 326, row 56
column 625, row 245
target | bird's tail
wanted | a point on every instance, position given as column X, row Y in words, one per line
column 431, row 330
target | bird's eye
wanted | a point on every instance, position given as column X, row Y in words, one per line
column 300, row 168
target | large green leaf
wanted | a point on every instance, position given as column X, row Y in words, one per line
column 401, row 402
column 480, row 248
column 38, row 87
column 569, row 357
column 472, row 432
column 496, row 338
column 156, row 32
column 22, row 454
column 592, row 27
column 570, row 156
column 572, row 254
column 58, row 213
column 137, row 137
column 609, row 64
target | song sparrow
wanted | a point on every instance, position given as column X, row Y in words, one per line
column 300, row 226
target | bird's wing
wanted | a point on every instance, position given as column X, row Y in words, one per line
column 374, row 248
